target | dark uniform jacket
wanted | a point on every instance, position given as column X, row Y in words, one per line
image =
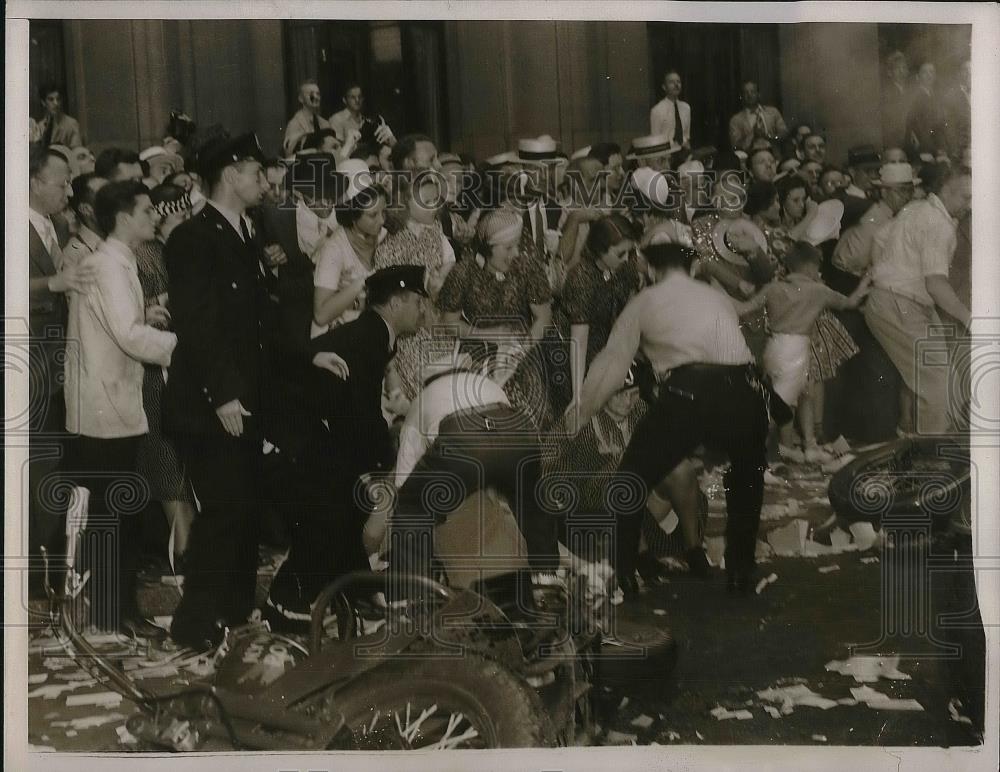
column 293, row 285
column 353, row 408
column 219, row 307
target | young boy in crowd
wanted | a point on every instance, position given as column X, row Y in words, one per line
column 793, row 304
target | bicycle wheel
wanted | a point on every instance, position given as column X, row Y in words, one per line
column 440, row 703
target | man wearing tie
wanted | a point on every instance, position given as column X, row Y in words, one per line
column 49, row 281
column 755, row 120
column 307, row 119
column 670, row 116
column 219, row 387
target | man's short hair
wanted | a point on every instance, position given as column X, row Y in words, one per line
column 47, row 88
column 801, row 255
column 662, row 256
column 82, row 192
column 116, row 197
column 760, row 196
column 350, row 86
column 603, row 151
column 109, row 159
column 894, row 57
column 308, row 82
column 747, row 82
column 38, row 159
column 405, row 147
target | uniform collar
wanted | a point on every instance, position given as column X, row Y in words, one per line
column 230, row 216
column 388, row 326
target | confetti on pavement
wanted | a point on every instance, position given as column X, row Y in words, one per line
column 868, row 670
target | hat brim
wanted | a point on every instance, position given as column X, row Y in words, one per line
column 881, row 184
column 721, row 230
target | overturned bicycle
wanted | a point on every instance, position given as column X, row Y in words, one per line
column 459, row 667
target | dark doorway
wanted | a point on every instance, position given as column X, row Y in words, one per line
column 713, row 60
column 399, row 65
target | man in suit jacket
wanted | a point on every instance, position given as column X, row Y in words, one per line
column 327, row 540
column 665, row 115
column 755, row 120
column 56, row 128
column 104, row 409
column 48, row 193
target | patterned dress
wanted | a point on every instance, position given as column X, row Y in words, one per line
column 830, row 344
column 488, row 300
column 156, row 458
column 422, row 245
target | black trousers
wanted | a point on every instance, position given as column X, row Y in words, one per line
column 111, row 541
column 494, row 446
column 327, row 516
column 221, row 561
column 46, row 447
column 721, row 407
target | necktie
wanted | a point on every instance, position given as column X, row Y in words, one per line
column 539, row 233
column 245, row 231
column 760, row 126
column 678, row 130
column 315, row 122
column 55, row 252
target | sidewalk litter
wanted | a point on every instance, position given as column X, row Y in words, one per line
column 868, row 670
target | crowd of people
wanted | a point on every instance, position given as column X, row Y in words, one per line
column 246, row 339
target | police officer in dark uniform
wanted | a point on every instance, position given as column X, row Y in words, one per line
column 327, row 540
column 215, row 404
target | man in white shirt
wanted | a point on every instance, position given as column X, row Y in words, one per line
column 909, row 285
column 307, row 119
column 86, row 240
column 351, row 119
column 461, row 436
column 755, row 120
column 670, row 116
column 104, row 374
column 710, row 393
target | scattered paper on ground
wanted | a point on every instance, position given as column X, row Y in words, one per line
column 829, row 569
column 878, row 701
column 723, row 714
column 99, row 699
column 868, row 669
column 643, row 721
column 794, row 695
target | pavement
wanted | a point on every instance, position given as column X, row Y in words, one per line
column 750, row 670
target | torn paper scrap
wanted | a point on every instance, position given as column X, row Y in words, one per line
column 878, row 701
column 864, row 535
column 772, row 711
column 37, row 678
column 829, row 569
column 953, row 706
column 620, row 738
column 869, row 669
column 51, row 691
column 723, row 714
column 797, row 694
column 99, row 699
column 820, row 738
column 643, row 721
column 672, row 735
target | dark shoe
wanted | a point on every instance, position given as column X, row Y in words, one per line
column 198, row 634
column 630, row 586
column 142, row 628
column 651, row 570
column 697, row 561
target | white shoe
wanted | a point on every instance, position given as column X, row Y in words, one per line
column 791, row 454
column 816, row 455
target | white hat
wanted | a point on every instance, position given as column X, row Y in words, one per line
column 502, row 159
column 159, row 156
column 359, row 177
column 896, row 174
column 653, row 185
column 653, row 145
column 583, row 152
column 727, row 225
column 824, row 222
column 537, row 149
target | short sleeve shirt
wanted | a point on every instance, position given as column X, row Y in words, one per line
column 488, row 300
column 919, row 242
column 795, row 302
column 596, row 297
